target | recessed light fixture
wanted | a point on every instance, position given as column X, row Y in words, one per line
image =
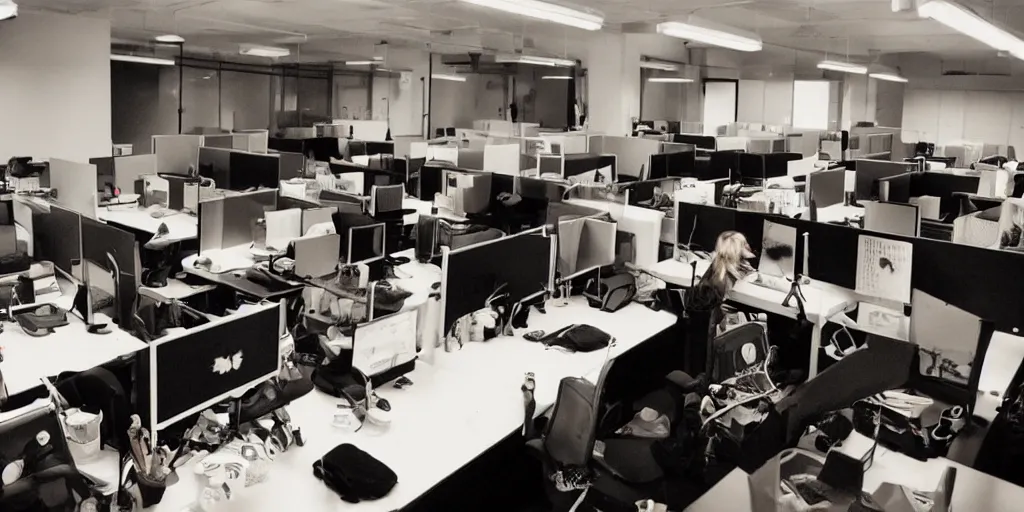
column 556, row 77
column 889, row 77
column 142, row 60
column 272, row 52
column 450, row 78
column 169, row 39
column 359, row 62
column 703, row 31
column 968, row 23
column 843, row 67
column 535, row 60
column 545, row 11
column 663, row 66
column 670, row 80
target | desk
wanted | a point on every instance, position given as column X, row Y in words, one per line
column 423, row 208
column 457, row 408
column 69, row 348
column 181, row 226
column 823, row 299
column 974, row 490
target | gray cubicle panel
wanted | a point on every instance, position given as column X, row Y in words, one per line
column 292, row 164
column 228, row 221
column 677, row 147
column 175, row 153
column 826, row 188
column 128, row 169
column 471, row 159
column 222, row 141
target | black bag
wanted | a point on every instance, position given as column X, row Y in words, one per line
column 611, row 293
column 354, row 474
column 578, row 338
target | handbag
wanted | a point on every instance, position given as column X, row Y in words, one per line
column 578, row 338
column 612, row 293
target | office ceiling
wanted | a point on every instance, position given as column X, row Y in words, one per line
column 323, row 30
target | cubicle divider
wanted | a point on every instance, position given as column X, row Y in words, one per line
column 959, row 275
column 580, row 164
column 633, row 154
column 176, row 153
column 868, row 172
column 703, row 142
column 75, row 184
column 228, row 221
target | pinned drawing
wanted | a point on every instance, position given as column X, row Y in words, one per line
column 884, row 268
column 1011, row 225
column 778, row 251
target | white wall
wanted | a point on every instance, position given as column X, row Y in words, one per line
column 947, row 117
column 55, row 87
column 766, row 101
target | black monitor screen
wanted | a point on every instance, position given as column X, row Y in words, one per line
column 659, row 166
column 366, row 243
column 380, row 148
column 253, row 170
column 682, row 164
column 215, row 164
column 58, row 237
column 722, row 164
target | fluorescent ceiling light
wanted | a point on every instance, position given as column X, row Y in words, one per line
column 142, row 60
column 669, row 80
column 451, row 78
column 253, row 50
column 170, row 39
column 663, row 66
column 535, row 60
column 8, row 10
column 702, row 31
column 359, row 62
column 888, row 77
column 545, row 11
column 556, row 77
column 970, row 24
column 844, row 67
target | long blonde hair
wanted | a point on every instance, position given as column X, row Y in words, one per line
column 729, row 263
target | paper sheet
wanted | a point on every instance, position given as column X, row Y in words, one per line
column 699, row 192
column 884, row 268
column 283, row 227
column 385, row 343
column 882, row 320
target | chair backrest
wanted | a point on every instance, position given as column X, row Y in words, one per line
column 569, row 435
column 737, row 350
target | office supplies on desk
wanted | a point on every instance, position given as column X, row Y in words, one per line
column 884, row 268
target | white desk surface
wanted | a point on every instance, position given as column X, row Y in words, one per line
column 823, row 299
column 175, row 290
column 181, row 226
column 973, row 490
column 457, row 408
column 27, row 359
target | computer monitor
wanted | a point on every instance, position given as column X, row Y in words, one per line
column 57, row 237
column 870, row 171
column 751, row 169
column 113, row 251
column 826, row 188
column 182, row 374
column 215, row 164
column 380, row 148
column 104, row 172
column 682, row 164
column 253, row 170
column 658, row 166
column 722, row 164
column 366, row 243
column 524, row 263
